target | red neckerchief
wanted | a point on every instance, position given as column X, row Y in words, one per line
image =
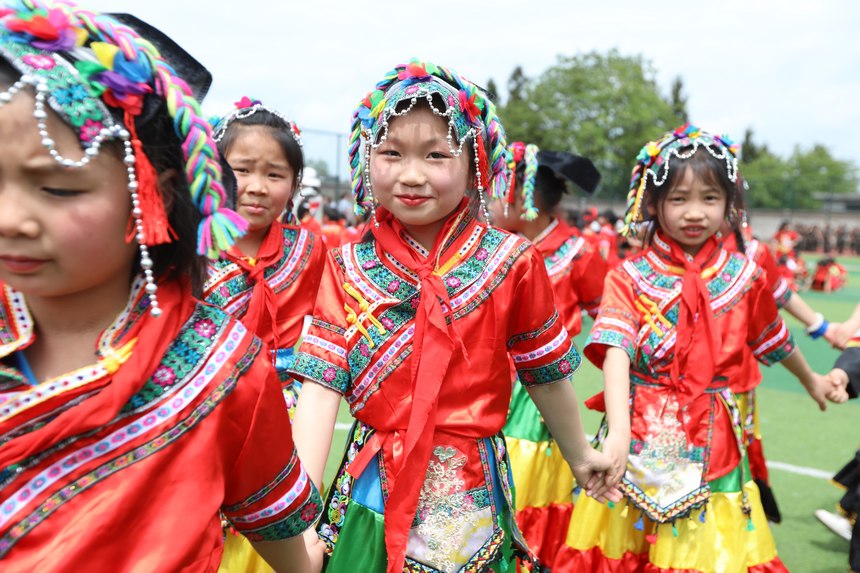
column 263, row 305
column 549, row 244
column 153, row 336
column 433, row 345
column 697, row 334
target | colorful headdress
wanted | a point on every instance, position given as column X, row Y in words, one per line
column 246, row 107
column 566, row 166
column 106, row 81
column 655, row 158
column 516, row 154
column 466, row 107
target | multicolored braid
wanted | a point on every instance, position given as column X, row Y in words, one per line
column 468, row 108
column 220, row 226
column 655, row 159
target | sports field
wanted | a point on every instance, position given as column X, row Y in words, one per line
column 803, row 445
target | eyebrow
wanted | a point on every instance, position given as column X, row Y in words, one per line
column 242, row 160
column 43, row 164
column 429, row 142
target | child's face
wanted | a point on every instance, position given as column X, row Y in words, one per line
column 692, row 211
column 264, row 178
column 413, row 173
column 62, row 230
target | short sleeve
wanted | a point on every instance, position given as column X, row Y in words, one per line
column 617, row 322
column 767, row 335
column 538, row 343
column 322, row 356
column 268, row 495
column 588, row 280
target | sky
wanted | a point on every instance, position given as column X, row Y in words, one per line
column 787, row 69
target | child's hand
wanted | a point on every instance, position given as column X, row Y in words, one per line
column 315, row 548
column 819, row 388
column 838, row 392
column 617, row 447
column 838, row 334
column 592, row 473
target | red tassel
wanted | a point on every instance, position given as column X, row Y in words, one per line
column 156, row 228
column 482, row 163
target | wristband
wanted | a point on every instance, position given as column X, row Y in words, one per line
column 819, row 328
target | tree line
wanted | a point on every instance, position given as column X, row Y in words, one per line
column 605, row 106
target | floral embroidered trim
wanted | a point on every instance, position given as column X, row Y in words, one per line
column 265, row 490
column 516, row 339
column 558, row 370
column 321, row 371
column 170, row 435
column 291, row 525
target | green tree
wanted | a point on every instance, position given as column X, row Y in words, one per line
column 494, row 92
column 798, row 182
column 602, row 106
column 679, row 101
column 517, row 85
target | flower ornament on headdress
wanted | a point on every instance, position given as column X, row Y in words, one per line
column 467, row 109
column 246, row 107
column 655, row 158
column 104, row 80
column 517, row 153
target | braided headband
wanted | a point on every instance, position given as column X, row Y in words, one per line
column 101, row 76
column 246, row 107
column 518, row 152
column 466, row 108
column 656, row 157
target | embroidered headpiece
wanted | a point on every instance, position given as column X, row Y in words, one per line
column 517, row 153
column 246, row 107
column 565, row 166
column 467, row 109
column 655, row 158
column 105, row 80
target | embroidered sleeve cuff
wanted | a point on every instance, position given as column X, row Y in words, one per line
column 562, row 368
column 321, row 371
column 599, row 340
column 285, row 507
column 776, row 353
column 781, row 292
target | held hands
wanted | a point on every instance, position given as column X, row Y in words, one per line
column 838, row 334
column 824, row 388
column 315, row 548
column 838, row 392
column 599, row 472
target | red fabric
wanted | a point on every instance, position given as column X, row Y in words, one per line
column 578, row 285
column 545, row 529
column 263, row 307
column 311, row 224
column 277, row 307
column 747, row 320
column 434, row 343
column 332, row 234
column 175, row 301
column 593, row 561
column 489, row 314
column 695, row 322
column 758, row 466
column 178, row 459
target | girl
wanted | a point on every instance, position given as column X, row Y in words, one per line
column 130, row 413
column 536, row 184
column 414, row 326
column 669, row 336
column 268, row 279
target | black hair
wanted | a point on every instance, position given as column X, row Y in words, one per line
column 178, row 258
column 549, row 187
column 704, row 165
column 332, row 213
column 278, row 128
column 302, row 210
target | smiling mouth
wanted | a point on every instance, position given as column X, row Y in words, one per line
column 412, row 200
column 24, row 265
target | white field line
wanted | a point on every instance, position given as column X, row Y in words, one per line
column 779, row 466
